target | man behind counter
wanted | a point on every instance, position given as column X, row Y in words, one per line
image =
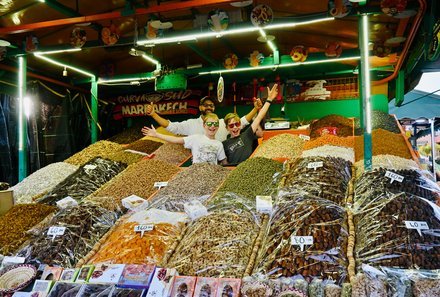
column 195, row 126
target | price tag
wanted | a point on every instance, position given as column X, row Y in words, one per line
column 418, row 225
column 67, row 202
column 55, row 231
column 394, row 176
column 8, row 260
column 314, row 165
column 195, row 209
column 160, row 184
column 89, row 167
column 143, row 228
column 304, row 137
column 264, row 204
column 301, row 241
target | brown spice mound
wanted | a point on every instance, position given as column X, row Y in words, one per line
column 329, row 140
column 344, row 125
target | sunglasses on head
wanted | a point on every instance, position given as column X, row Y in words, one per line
column 211, row 124
column 237, row 124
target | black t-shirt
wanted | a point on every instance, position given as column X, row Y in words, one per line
column 238, row 149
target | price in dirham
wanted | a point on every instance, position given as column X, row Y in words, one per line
column 314, row 165
column 55, row 231
column 304, row 137
column 394, row 176
column 417, row 225
column 301, row 241
column 143, row 228
column 160, row 184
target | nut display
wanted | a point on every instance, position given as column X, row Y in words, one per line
column 285, row 255
column 172, row 153
column 379, row 120
column 387, row 161
column 345, row 153
column 280, row 146
column 343, row 125
column 102, row 149
column 144, row 145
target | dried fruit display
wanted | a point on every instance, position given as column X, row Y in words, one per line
column 125, row 245
column 102, row 149
column 128, row 135
column 218, row 245
column 196, row 182
column 172, row 153
column 329, row 139
column 325, row 177
column 144, row 145
column 387, row 161
column 41, row 181
column 280, row 146
column 85, row 225
column 18, row 220
column 255, row 176
column 342, row 126
column 386, row 236
column 285, row 251
column 83, row 182
column 125, row 157
column 379, row 120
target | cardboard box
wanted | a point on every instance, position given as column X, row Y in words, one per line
column 206, row 287
column 137, row 276
column 228, row 287
column 183, row 286
column 162, row 282
column 106, row 273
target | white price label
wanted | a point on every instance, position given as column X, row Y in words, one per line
column 13, row 260
column 394, row 176
column 314, row 165
column 160, row 184
column 264, row 204
column 301, row 241
column 418, row 225
column 304, row 137
column 143, row 228
column 55, row 231
column 89, row 166
column 195, row 209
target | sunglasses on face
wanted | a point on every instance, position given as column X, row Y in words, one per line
column 208, row 105
column 211, row 124
column 238, row 124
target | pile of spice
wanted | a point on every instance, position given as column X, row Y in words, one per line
column 383, row 237
column 384, row 143
column 125, row 157
column 387, row 161
column 172, row 153
column 85, row 225
column 146, row 146
column 329, row 140
column 41, row 181
column 128, row 135
column 125, row 246
column 138, row 179
column 255, row 176
column 280, row 146
column 102, row 148
column 325, row 177
column 379, row 120
column 197, row 182
column 284, row 251
column 86, row 180
column 332, row 124
column 18, row 220
column 345, row 153
column 218, row 245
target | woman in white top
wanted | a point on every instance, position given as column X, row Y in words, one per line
column 204, row 147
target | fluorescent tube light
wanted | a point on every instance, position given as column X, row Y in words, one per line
column 152, row 60
column 64, row 65
column 58, row 51
column 366, row 71
column 117, row 80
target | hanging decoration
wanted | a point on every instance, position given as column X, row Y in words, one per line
column 31, row 43
column 218, row 20
column 110, row 34
column 156, row 28
column 339, row 8
column 299, row 53
column 261, row 15
column 78, row 37
column 393, row 7
column 333, row 50
column 256, row 58
column 220, row 89
column 380, row 49
column 230, row 61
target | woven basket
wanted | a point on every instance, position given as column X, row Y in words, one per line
column 16, row 277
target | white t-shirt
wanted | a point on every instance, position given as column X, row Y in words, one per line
column 204, row 149
column 195, row 126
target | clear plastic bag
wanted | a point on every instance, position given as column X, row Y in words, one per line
column 83, row 182
column 95, row 290
column 123, row 292
column 284, row 252
column 325, row 177
column 85, row 225
column 220, row 244
column 61, row 289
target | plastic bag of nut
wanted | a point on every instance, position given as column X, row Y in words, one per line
column 307, row 236
column 325, row 177
column 425, row 283
column 220, row 244
column 397, row 231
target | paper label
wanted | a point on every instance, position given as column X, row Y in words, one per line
column 89, row 166
column 55, row 231
column 67, row 202
column 304, row 137
column 143, row 228
column 137, row 152
column 195, row 209
column 302, row 241
column 394, row 176
column 314, row 165
column 13, row 260
column 160, row 184
column 264, row 204
column 418, row 225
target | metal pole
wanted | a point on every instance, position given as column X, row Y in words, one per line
column 94, row 103
column 432, row 121
column 22, row 122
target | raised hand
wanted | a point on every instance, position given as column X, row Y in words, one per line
column 272, row 93
column 149, row 131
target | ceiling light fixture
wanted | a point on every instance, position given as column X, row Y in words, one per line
column 128, row 79
column 152, row 60
column 65, row 71
column 67, row 50
column 64, row 65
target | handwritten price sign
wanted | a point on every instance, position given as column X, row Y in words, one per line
column 394, row 176
column 417, row 225
column 55, row 231
column 301, row 241
column 143, row 228
column 160, row 184
column 314, row 165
